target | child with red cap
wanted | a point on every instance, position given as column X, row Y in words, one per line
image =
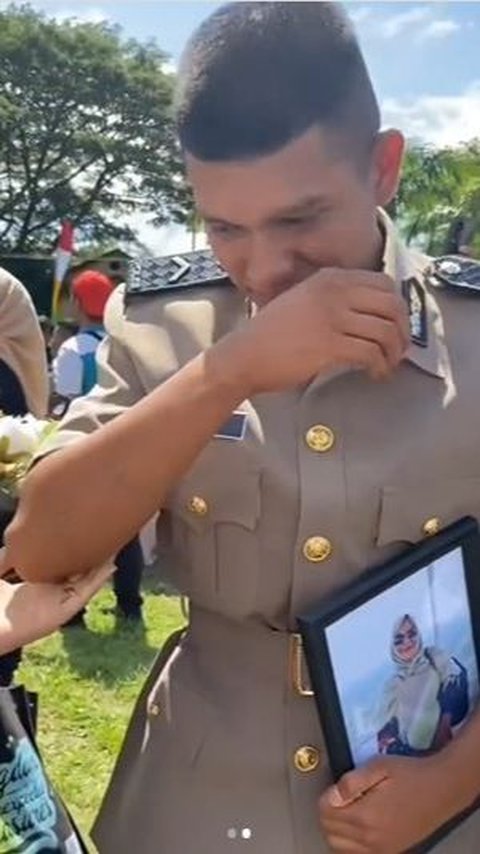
column 74, row 368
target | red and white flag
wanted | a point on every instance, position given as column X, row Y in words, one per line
column 63, row 257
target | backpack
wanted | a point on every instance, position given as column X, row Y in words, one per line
column 89, row 362
column 453, row 696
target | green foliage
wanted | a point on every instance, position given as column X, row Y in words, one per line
column 88, row 683
column 86, row 131
column 437, row 186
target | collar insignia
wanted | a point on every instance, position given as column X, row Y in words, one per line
column 414, row 295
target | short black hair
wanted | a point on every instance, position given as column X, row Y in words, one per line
column 257, row 75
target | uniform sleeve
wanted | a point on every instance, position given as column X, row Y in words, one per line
column 68, row 372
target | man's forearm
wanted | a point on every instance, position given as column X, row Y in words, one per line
column 81, row 504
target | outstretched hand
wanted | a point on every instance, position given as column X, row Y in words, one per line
column 29, row 611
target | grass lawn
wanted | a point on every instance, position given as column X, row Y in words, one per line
column 87, row 682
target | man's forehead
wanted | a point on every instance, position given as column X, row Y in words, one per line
column 301, row 174
column 294, row 206
column 316, row 143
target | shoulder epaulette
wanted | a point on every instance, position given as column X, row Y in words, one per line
column 147, row 276
column 456, row 271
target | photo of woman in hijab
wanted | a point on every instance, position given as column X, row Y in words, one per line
column 425, row 698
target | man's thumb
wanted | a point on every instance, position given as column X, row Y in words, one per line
column 356, row 783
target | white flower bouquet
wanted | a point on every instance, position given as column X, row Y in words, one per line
column 21, row 438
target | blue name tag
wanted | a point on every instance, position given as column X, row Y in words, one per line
column 235, row 428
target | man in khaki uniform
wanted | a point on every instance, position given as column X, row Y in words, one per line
column 321, row 471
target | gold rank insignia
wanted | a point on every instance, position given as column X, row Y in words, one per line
column 414, row 295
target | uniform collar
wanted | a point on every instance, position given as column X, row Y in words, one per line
column 408, row 268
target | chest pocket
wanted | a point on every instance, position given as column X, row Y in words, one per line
column 410, row 512
column 214, row 518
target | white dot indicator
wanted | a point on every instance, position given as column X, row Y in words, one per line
column 232, row 832
column 246, row 833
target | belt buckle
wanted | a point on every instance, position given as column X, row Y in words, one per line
column 296, row 666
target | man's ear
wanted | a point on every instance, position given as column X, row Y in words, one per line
column 387, row 165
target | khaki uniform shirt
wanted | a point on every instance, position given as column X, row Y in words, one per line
column 223, row 753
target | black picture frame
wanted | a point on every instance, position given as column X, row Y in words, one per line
column 314, row 625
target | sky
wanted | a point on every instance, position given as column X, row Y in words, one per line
column 424, row 57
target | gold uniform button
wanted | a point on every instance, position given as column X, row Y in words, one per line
column 306, row 758
column 320, row 438
column 154, row 710
column 316, row 549
column 198, row 506
column 431, row 526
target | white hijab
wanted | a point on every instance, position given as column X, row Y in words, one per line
column 418, row 663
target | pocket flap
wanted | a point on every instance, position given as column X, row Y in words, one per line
column 211, row 497
column 406, row 509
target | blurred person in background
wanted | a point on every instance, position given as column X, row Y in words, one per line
column 74, row 375
column 23, row 388
column 47, row 327
column 459, row 239
column 74, row 365
column 23, row 361
column 61, row 331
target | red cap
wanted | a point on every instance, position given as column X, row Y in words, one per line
column 92, row 290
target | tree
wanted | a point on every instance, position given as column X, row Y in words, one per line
column 468, row 168
column 438, row 186
column 85, row 132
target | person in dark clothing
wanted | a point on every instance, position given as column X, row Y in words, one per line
column 12, row 402
column 46, row 326
column 127, row 580
column 126, row 586
column 459, row 237
column 12, row 397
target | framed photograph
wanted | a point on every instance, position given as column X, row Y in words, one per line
column 394, row 659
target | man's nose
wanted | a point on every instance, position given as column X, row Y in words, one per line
column 270, row 270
